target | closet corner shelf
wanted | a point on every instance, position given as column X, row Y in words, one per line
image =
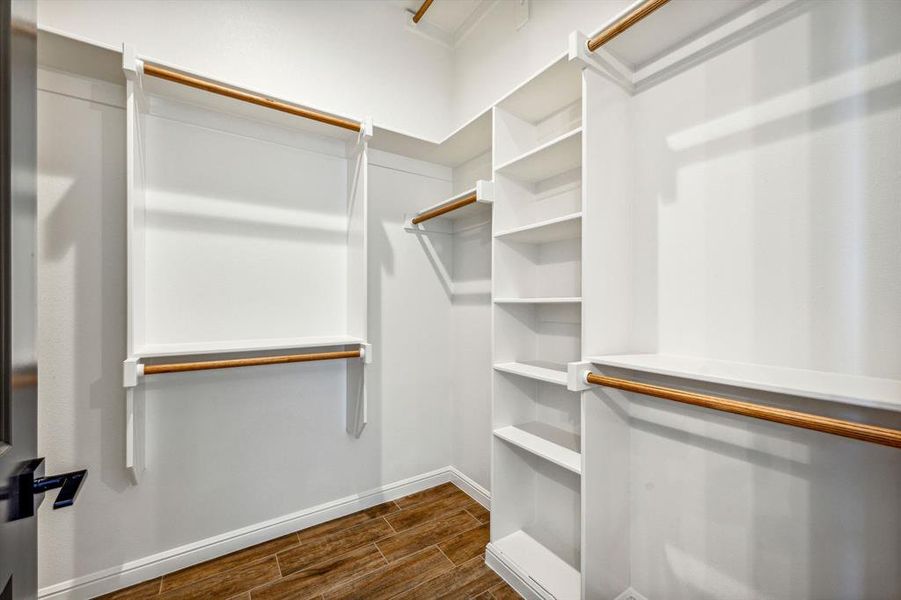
column 545, row 441
column 546, row 300
column 559, row 155
column 238, row 346
column 539, row 370
column 551, row 230
column 871, row 392
column 531, row 560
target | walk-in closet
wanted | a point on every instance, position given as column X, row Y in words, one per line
column 460, row 299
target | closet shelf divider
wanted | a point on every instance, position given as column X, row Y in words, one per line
column 540, row 371
column 544, row 300
column 550, row 230
column 546, row 441
column 557, row 156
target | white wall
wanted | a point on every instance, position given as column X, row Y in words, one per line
column 470, row 319
column 494, row 57
column 304, row 52
column 226, row 449
column 353, row 57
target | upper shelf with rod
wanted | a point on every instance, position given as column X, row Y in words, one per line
column 651, row 38
column 464, row 209
column 885, row 436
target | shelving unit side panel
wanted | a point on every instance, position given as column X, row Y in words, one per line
column 607, row 281
column 135, row 205
column 357, row 211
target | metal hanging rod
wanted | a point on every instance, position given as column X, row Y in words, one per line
column 419, row 13
column 215, row 88
column 248, row 362
column 451, row 206
column 623, row 23
column 848, row 429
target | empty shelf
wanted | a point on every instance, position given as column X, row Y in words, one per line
column 557, row 156
column 235, row 346
column 552, row 88
column 835, row 387
column 550, row 443
column 545, row 300
column 542, row 371
column 533, row 561
column 552, row 230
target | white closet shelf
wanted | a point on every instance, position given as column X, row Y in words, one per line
column 545, row 300
column 546, row 441
column 534, row 561
column 541, row 370
column 678, row 29
column 550, row 230
column 237, row 346
column 559, row 155
column 553, row 87
column 856, row 390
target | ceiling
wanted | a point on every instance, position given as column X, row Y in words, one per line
column 447, row 15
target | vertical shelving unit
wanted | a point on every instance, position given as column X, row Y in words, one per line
column 537, row 316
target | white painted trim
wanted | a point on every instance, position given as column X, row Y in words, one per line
column 524, row 587
column 468, row 485
column 630, row 594
column 142, row 569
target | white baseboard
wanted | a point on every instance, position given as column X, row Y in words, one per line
column 472, row 489
column 130, row 573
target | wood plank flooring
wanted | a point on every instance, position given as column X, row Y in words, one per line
column 424, row 546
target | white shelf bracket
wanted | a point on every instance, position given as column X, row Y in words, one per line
column 484, row 191
column 366, row 353
column 130, row 63
column 134, row 433
column 131, row 370
column 366, row 129
column 576, row 372
column 357, row 409
column 600, row 61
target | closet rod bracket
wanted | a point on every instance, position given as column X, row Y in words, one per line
column 366, row 353
column 131, row 370
column 577, row 376
column 600, row 61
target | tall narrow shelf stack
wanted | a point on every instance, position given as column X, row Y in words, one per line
column 537, row 314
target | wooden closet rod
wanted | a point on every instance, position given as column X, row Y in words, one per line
column 848, row 429
column 248, row 362
column 215, row 88
column 624, row 22
column 419, row 13
column 437, row 212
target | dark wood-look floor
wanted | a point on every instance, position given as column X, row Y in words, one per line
column 427, row 545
